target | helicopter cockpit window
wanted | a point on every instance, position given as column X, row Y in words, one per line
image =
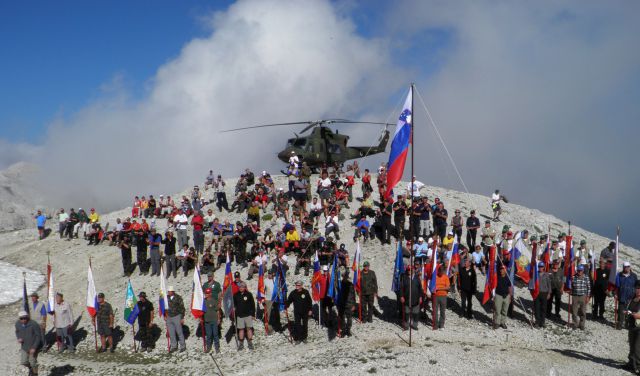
column 335, row 149
column 297, row 142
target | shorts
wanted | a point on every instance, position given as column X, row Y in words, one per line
column 244, row 322
column 104, row 330
column 40, row 227
column 301, row 196
column 325, row 194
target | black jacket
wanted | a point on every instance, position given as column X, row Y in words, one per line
column 301, row 301
column 244, row 304
column 415, row 287
column 347, row 299
column 467, row 281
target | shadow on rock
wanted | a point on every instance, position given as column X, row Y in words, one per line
column 67, row 369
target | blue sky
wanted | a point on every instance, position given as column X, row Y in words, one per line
column 538, row 99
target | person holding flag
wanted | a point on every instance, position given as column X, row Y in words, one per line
column 544, row 294
column 368, row 292
column 396, row 283
column 175, row 320
column 38, row 314
column 63, row 322
column 442, row 287
column 411, row 298
column 301, row 300
column 104, row 319
column 198, row 306
column 145, row 321
column 245, row 312
column 346, row 305
column 625, row 290
column 467, row 285
column 92, row 302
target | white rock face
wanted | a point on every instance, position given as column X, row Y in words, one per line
column 18, row 197
column 463, row 347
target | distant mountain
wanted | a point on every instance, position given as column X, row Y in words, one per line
column 18, row 196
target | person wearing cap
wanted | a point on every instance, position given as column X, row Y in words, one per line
column 443, row 286
column 145, row 322
column 104, row 321
column 631, row 313
column 440, row 216
column 301, row 300
column 369, row 291
column 38, row 314
column 30, row 339
column 487, row 236
column 41, row 220
column 197, row 221
column 63, row 322
column 580, row 294
column 625, row 291
column 326, row 303
column 212, row 318
column 175, row 320
column 181, row 222
column 581, row 256
column 154, row 240
column 411, row 298
column 600, row 289
column 607, row 252
column 468, row 286
column 544, row 294
column 456, row 224
column 557, row 285
column 245, row 312
column 502, row 298
column 479, row 260
column 472, row 224
column 400, row 211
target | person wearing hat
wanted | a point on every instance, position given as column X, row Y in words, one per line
column 468, row 286
column 456, row 224
column 557, row 284
column 346, row 305
column 632, row 315
column 104, row 319
column 472, row 224
column 607, row 253
column 175, row 320
column 212, row 318
column 38, row 314
column 625, row 291
column 326, row 303
column 30, row 339
column 544, row 293
column 170, row 262
column 63, row 322
column 502, row 298
column 145, row 322
column 301, row 300
column 245, row 312
column 581, row 255
column 181, row 222
column 369, row 291
column 580, row 294
column 600, row 289
column 443, row 286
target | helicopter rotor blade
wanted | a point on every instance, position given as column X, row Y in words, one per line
column 266, row 125
column 309, row 124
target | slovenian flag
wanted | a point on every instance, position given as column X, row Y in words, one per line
column 198, row 307
column 315, row 280
column 260, row 295
column 163, row 303
column 400, row 144
column 279, row 295
column 568, row 263
column 434, row 271
column 534, row 282
column 92, row 297
column 356, row 268
column 492, row 276
column 51, row 294
column 131, row 310
column 398, row 269
column 227, row 288
column 455, row 255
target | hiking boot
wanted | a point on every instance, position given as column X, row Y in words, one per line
column 250, row 345
column 503, row 326
column 240, row 346
column 217, row 348
column 111, row 350
column 207, row 349
column 183, row 349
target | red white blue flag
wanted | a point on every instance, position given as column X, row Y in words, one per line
column 400, row 144
column 92, row 297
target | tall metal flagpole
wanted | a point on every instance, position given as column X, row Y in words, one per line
column 411, row 229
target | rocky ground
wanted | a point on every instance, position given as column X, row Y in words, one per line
column 463, row 347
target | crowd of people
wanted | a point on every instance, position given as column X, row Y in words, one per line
column 288, row 228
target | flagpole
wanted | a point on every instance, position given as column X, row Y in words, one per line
column 133, row 329
column 48, row 292
column 164, row 316
column 44, row 345
column 567, row 249
column 95, row 334
column 615, row 294
column 411, row 229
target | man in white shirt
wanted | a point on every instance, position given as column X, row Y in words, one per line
column 414, row 188
column 293, row 159
column 181, row 222
column 63, row 322
column 332, row 225
column 62, row 221
column 261, row 258
column 267, row 303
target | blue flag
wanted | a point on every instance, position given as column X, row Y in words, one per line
column 279, row 295
column 335, row 284
column 131, row 310
column 398, row 269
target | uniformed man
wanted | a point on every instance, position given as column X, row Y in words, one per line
column 212, row 318
column 600, row 288
column 301, row 300
column 245, row 311
column 544, row 294
column 145, row 322
column 557, row 283
column 632, row 314
column 369, row 291
column 411, row 298
column 346, row 305
column 175, row 320
column 104, row 319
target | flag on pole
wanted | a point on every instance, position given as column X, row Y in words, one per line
column 568, row 263
column 279, row 295
column 315, row 280
column 92, row 297
column 356, row 268
column 25, row 297
column 227, row 288
column 163, row 303
column 434, row 266
column 198, row 308
column 546, row 255
column 51, row 294
column 398, row 269
column 492, row 276
column 131, row 310
column 335, row 282
column 400, row 144
column 519, row 261
column 260, row 294
column 534, row 282
column 455, row 256
column 614, row 278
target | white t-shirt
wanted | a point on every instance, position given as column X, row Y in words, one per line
column 495, row 197
column 316, row 206
column 264, row 259
column 268, row 289
column 294, row 160
column 328, row 223
column 178, row 219
column 62, row 217
column 414, row 188
column 325, row 183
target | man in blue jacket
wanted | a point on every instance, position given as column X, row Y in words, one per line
column 625, row 292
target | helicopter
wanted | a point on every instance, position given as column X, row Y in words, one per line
column 323, row 146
